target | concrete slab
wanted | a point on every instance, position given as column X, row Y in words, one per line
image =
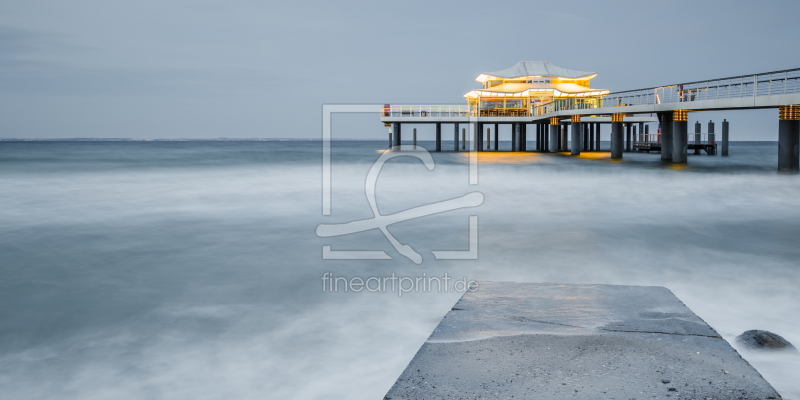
column 548, row 341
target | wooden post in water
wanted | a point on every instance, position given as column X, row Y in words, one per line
column 724, row 137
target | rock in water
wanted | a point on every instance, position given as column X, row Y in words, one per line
column 757, row 339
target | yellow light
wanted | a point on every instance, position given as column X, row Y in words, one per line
column 482, row 78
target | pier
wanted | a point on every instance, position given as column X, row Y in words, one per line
column 558, row 110
column 548, row 341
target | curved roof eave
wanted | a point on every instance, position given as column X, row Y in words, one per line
column 538, row 68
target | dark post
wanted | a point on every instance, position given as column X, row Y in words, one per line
column 463, row 138
column 666, row 135
column 546, row 128
column 496, row 135
column 628, row 137
column 438, row 136
column 697, row 137
column 680, row 136
column 477, row 134
column 555, row 133
column 617, row 136
column 585, row 135
column 712, row 138
column 789, row 139
column 597, row 136
column 724, row 137
column 641, row 132
column 575, row 146
column 455, row 137
column 396, row 134
column 523, row 139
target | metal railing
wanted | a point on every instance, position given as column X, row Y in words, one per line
column 426, row 111
column 736, row 87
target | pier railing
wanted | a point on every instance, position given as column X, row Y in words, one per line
column 736, row 87
column 426, row 111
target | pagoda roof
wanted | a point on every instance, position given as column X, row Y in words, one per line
column 564, row 89
column 538, row 68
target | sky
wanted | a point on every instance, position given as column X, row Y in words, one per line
column 208, row 69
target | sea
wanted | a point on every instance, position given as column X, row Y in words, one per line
column 194, row 269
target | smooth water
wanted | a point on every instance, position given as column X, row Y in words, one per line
column 191, row 270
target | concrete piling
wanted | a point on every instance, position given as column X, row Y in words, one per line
column 724, row 137
column 455, row 137
column 641, row 132
column 555, row 133
column 697, row 137
column 628, row 127
column 680, row 136
column 617, row 136
column 789, row 139
column 712, row 138
column 396, row 134
column 597, row 137
column 496, row 136
column 438, row 137
column 463, row 138
column 575, row 146
column 666, row 136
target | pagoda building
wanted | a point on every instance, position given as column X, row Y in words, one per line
column 521, row 89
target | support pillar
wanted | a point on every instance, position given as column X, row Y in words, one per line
column 712, row 138
column 646, row 137
column 597, row 136
column 591, row 137
column 563, row 146
column 666, row 136
column 789, row 139
column 585, row 135
column 628, row 137
column 477, row 134
column 724, row 137
column 575, row 147
column 396, row 135
column 463, row 138
column 697, row 137
column 438, row 136
column 617, row 136
column 415, row 138
column 641, row 132
column 538, row 137
column 680, row 136
column 455, row 137
column 546, row 137
column 523, row 138
column 555, row 133
column 488, row 138
column 496, row 136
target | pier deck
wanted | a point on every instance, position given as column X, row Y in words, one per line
column 549, row 341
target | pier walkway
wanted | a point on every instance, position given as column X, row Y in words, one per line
column 668, row 105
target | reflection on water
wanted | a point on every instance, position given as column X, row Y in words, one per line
column 191, row 270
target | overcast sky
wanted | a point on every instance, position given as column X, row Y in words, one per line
column 207, row 69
